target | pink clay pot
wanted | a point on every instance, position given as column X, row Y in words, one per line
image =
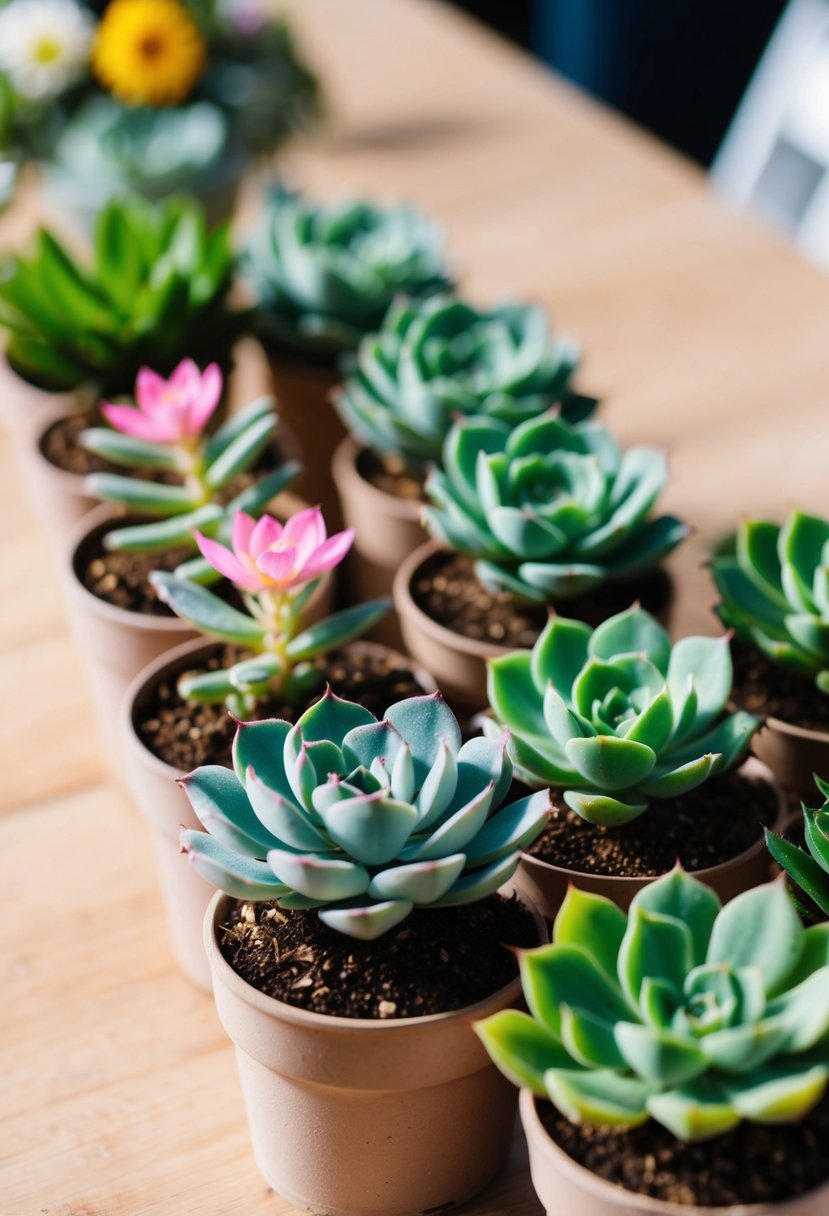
column 20, row 401
column 546, row 884
column 566, row 1188
column 357, row 1117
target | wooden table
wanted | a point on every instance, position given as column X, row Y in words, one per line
column 703, row 331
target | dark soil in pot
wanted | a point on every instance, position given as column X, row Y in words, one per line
column 771, row 691
column 389, row 474
column 436, row 961
column 185, row 734
column 754, row 1163
column 710, row 825
column 446, row 589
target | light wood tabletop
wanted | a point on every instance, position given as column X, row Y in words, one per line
column 702, row 331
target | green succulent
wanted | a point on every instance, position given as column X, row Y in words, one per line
column 323, row 276
column 441, row 358
column 775, row 592
column 616, row 716
column 155, row 292
column 549, row 510
column 808, row 868
column 363, row 819
column 683, row 1011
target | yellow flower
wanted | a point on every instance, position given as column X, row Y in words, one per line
column 148, row 52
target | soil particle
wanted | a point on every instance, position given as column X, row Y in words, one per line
column 703, row 828
column 435, row 961
column 754, row 1163
column 61, row 448
column 389, row 474
column 122, row 579
column 185, row 734
column 772, row 691
column 446, row 589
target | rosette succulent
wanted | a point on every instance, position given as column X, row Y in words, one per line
column 808, row 868
column 617, row 716
column 441, row 358
column 549, row 510
column 683, row 1011
column 275, row 567
column 775, row 592
column 155, row 292
column 325, row 275
column 165, row 433
column 363, row 819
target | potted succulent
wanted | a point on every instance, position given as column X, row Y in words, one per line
column 429, row 363
column 674, row 1060
column 360, row 932
column 322, row 277
column 269, row 656
column 119, row 622
column 808, row 868
column 632, row 735
column 774, row 594
column 156, row 291
column 147, row 96
column 543, row 515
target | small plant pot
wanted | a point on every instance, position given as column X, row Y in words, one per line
column 151, row 783
column 387, row 530
column 566, row 1188
column 58, row 495
column 356, row 1117
column 20, row 401
column 793, row 754
column 302, row 388
column 546, row 884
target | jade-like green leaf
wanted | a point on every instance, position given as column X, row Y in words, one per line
column 816, row 826
column 481, row 760
column 258, row 745
column 372, row 828
column 422, row 882
column 558, row 656
column 778, row 1093
column 698, row 1110
column 521, row 1048
column 236, row 425
column 603, row 810
column 632, row 632
column 475, row 885
column 424, row 722
column 610, row 764
column 801, row 867
column 240, row 877
column 163, row 534
column 687, row 901
column 512, row 828
column 759, row 928
column 438, row 788
column 453, row 833
column 367, row 923
column 654, row 947
column 658, row 1057
column 323, row 878
column 126, row 450
column 146, row 497
column 737, row 1049
column 206, row 687
column 708, row 662
column 336, row 630
column 594, row 924
column 602, row 1097
column 241, row 454
column 803, row 1011
column 217, row 797
column 205, row 611
column 590, row 1041
column 565, row 975
column 283, row 819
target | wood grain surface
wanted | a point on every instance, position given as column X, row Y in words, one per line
column 703, row 332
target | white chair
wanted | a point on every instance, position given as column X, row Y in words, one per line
column 775, row 156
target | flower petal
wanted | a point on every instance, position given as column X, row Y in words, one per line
column 130, row 421
column 306, row 530
column 279, row 567
column 267, row 533
column 149, row 389
column 243, row 526
column 205, row 398
column 227, row 563
column 328, row 555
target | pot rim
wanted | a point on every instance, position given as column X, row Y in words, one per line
column 222, row 972
column 798, row 732
column 614, row 1196
column 405, row 604
column 152, row 670
column 758, row 767
column 35, row 428
column 347, row 477
column 143, row 622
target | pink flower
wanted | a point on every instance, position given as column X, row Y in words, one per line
column 270, row 556
column 169, row 410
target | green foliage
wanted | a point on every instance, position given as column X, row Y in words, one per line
column 775, row 592
column 363, row 819
column 808, row 868
column 691, row 1014
column 617, row 716
column 433, row 361
column 549, row 509
column 156, row 291
column 324, row 276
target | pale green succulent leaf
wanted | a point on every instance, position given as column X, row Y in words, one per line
column 803, row 1011
column 454, row 833
column 816, row 828
column 371, row 828
column 800, row 548
column 591, row 1041
column 143, row 497
column 162, row 534
column 258, row 745
column 558, row 656
column 206, row 612
column 593, row 923
column 761, row 929
column 738, row 1049
column 475, row 885
column 654, row 725
column 602, row 1097
column 708, row 662
column 658, row 1057
column 481, row 760
column 655, row 946
column 241, row 454
column 323, row 878
column 672, row 782
column 744, row 603
column 424, row 722
column 438, row 788
column 421, row 882
column 238, row 876
column 610, row 764
column 781, row 1093
column 699, row 1110
column 563, row 723
column 558, row 975
column 604, row 810
column 757, row 554
column 129, row 451
column 366, row 923
column 522, row 1049
column 285, row 821
column 237, row 425
column 336, row 630
column 682, row 898
column 513, row 694
column 810, row 632
column 510, row 829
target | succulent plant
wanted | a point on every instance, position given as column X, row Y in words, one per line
column 775, row 592
column 157, row 291
column 363, row 819
column 683, row 1011
column 616, row 716
column 166, row 433
column 808, row 868
column 325, row 275
column 441, row 358
column 549, row 510
column 275, row 567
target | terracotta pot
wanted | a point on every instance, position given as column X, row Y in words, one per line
column 355, row 1117
column 151, row 783
column 566, row 1188
column 546, row 884
column 387, row 530
column 460, row 661
column 302, row 389
column 20, row 401
column 794, row 754
column 58, row 495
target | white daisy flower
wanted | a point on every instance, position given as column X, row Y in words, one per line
column 44, row 45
